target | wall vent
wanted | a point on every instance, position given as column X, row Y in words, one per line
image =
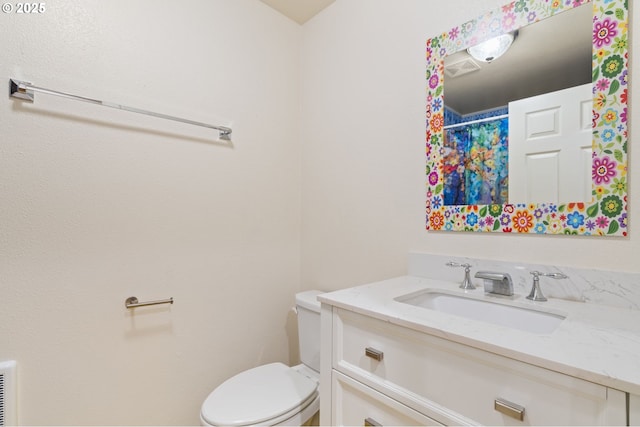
column 8, row 394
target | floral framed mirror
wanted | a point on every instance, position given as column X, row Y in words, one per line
column 494, row 167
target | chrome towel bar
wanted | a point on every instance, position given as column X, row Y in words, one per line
column 25, row 91
column 132, row 302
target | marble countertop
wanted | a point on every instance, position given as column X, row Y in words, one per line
column 595, row 343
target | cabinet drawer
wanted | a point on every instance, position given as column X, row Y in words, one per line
column 428, row 373
column 356, row 404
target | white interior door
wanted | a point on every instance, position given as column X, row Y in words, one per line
column 550, row 145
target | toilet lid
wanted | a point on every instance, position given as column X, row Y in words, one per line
column 258, row 395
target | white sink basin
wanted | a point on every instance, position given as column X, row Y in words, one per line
column 512, row 316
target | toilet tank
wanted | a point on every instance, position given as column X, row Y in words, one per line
column 308, row 308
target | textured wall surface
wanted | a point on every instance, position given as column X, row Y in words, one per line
column 98, row 205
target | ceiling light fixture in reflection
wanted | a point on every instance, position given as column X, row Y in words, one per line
column 492, row 49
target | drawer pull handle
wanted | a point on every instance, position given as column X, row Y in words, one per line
column 370, row 422
column 375, row 355
column 509, row 408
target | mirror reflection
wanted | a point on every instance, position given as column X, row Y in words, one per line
column 518, row 127
column 602, row 209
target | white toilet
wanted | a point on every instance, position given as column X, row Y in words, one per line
column 274, row 394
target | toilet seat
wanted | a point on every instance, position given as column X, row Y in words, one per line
column 269, row 393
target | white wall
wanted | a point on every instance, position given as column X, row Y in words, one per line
column 363, row 152
column 98, row 205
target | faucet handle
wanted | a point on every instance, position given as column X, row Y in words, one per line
column 466, row 282
column 552, row 275
column 536, row 292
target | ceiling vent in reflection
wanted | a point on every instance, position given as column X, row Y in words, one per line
column 461, row 68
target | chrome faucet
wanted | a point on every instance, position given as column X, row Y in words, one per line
column 536, row 292
column 466, row 282
column 496, row 283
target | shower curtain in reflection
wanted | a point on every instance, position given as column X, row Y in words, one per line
column 476, row 160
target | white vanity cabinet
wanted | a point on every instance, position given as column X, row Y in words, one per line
column 634, row 410
column 383, row 373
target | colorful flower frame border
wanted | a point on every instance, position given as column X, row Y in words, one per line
column 606, row 214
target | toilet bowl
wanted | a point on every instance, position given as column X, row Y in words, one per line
column 274, row 394
column 271, row 395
